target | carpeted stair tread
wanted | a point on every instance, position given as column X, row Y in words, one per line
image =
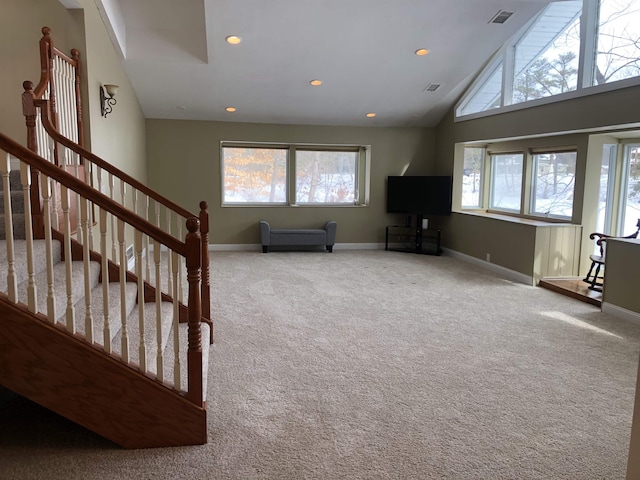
column 97, row 309
column 133, row 333
column 19, row 231
column 20, row 259
column 17, row 202
column 14, row 180
column 60, row 289
column 17, row 206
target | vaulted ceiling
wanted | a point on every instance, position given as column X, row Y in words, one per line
column 363, row 51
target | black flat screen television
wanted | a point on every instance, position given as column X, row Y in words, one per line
column 426, row 195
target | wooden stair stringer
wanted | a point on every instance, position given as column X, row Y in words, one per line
column 86, row 385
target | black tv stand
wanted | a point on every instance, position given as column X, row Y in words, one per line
column 413, row 239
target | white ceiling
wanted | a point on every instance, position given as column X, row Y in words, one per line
column 363, row 50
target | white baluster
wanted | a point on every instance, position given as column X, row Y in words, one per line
column 169, row 262
column 114, row 254
column 123, row 281
column 160, row 358
column 123, row 193
column 69, row 312
column 12, row 284
column 138, row 257
column 176, row 323
column 78, row 227
column 146, row 245
column 32, row 291
column 180, row 289
column 86, row 260
column 54, row 192
column 88, row 173
column 45, row 187
column 105, row 280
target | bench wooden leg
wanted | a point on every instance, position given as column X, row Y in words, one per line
column 329, row 248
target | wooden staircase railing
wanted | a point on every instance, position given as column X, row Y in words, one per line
column 89, row 199
column 96, row 168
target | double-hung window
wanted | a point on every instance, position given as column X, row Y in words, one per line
column 505, row 191
column 255, row 174
column 473, row 171
column 554, row 175
column 539, row 183
column 326, row 176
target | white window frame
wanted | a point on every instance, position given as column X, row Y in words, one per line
column 533, row 185
column 491, row 182
column 363, row 170
column 588, row 45
column 481, row 182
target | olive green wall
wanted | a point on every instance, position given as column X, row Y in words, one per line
column 184, row 165
column 550, row 124
column 119, row 138
column 21, row 22
column 633, row 464
column 622, row 267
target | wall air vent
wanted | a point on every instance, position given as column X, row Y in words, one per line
column 501, row 17
column 432, row 87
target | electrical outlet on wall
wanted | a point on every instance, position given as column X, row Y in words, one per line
column 488, row 257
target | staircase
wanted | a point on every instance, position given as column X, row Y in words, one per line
column 104, row 283
column 88, row 338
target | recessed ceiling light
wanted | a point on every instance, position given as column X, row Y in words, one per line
column 230, row 109
column 421, row 51
column 233, row 39
column 316, row 82
column 371, row 115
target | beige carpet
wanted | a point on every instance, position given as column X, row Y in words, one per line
column 377, row 365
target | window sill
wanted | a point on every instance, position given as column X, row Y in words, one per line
column 514, row 219
column 293, row 205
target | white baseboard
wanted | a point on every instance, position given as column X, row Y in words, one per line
column 621, row 313
column 253, row 247
column 502, row 271
column 235, row 247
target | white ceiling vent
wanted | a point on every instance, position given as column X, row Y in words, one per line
column 432, row 87
column 501, row 17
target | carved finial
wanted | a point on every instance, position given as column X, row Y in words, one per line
column 193, row 224
column 75, row 53
column 27, row 85
column 204, row 205
column 46, row 32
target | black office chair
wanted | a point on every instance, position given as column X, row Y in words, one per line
column 595, row 277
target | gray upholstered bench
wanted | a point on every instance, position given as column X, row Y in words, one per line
column 292, row 237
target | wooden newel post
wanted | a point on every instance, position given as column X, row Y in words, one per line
column 204, row 233
column 194, row 308
column 30, row 116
